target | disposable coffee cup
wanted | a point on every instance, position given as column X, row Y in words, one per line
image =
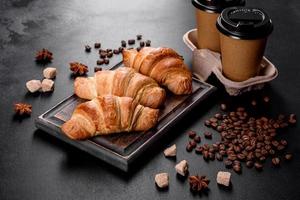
column 207, row 13
column 243, row 37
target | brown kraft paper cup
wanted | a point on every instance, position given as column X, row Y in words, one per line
column 207, row 13
column 208, row 35
column 243, row 37
column 241, row 58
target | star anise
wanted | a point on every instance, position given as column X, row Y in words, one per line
column 23, row 109
column 78, row 68
column 44, row 55
column 198, row 183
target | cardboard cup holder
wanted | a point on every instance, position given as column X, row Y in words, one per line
column 206, row 62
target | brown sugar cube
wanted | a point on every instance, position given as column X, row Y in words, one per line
column 162, row 180
column 223, row 178
column 182, row 168
column 47, row 85
column 33, row 85
column 49, row 72
column 170, row 151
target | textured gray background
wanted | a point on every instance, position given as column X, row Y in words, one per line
column 36, row 166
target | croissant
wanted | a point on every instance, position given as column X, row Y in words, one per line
column 121, row 82
column 163, row 65
column 109, row 114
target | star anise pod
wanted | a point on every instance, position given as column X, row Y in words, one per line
column 198, row 183
column 23, row 109
column 44, row 55
column 78, row 68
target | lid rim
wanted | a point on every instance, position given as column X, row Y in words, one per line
column 216, row 8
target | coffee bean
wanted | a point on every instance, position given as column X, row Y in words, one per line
column 138, row 48
column 213, row 120
column 148, row 43
column 139, row 37
column 292, row 119
column 189, row 148
column 197, row 139
column 219, row 157
column 218, row 116
column 207, row 135
column 211, row 156
column 232, row 157
column 106, row 61
column 199, row 150
column 283, row 142
column 108, row 50
column 87, row 48
column 192, row 134
column 97, row 45
column 228, row 163
column 131, row 41
column 116, row 51
column 253, row 103
column 276, row 161
column 100, row 62
column 109, row 54
column 205, row 155
column 249, row 164
column 207, row 123
column 258, row 166
column 123, row 43
column 241, row 156
column 142, row 44
column 96, row 69
column 223, row 106
column 237, row 168
column 266, row 99
column 288, row 156
column 103, row 55
column 193, row 144
column 280, row 147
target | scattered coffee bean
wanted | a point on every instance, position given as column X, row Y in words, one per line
column 108, row 50
column 207, row 135
column 228, row 163
column 292, row 119
column 110, row 54
column 142, row 44
column 116, row 51
column 139, row 37
column 253, row 103
column 207, row 123
column 197, row 139
column 96, row 69
column 237, row 168
column 193, row 143
column 87, row 48
column 258, row 166
column 103, row 55
column 276, row 161
column 97, row 45
column 192, row 134
column 123, row 43
column 138, row 48
column 199, row 150
column 205, row 155
column 121, row 49
column 131, row 41
column 148, row 43
column 100, row 62
column 249, row 164
column 219, row 157
column 102, row 51
column 189, row 147
column 288, row 156
column 266, row 99
column 106, row 61
column 223, row 106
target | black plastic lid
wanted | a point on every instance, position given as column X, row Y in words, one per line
column 216, row 6
column 245, row 23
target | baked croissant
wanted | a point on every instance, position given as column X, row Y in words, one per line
column 163, row 65
column 109, row 114
column 121, row 82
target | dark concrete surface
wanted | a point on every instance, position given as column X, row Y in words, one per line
column 34, row 165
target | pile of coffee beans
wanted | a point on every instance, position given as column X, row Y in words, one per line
column 244, row 139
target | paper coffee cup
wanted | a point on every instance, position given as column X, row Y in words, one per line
column 243, row 37
column 207, row 13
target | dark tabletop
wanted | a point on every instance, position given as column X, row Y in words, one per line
column 34, row 165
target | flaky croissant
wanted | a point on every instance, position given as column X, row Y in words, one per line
column 163, row 65
column 121, row 82
column 109, row 114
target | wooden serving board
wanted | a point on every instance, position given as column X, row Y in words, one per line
column 121, row 149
